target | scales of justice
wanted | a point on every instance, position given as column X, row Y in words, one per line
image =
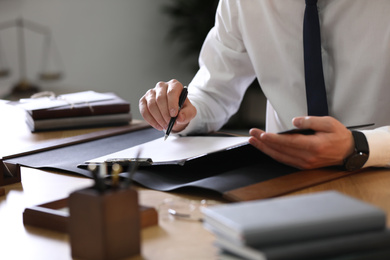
column 24, row 86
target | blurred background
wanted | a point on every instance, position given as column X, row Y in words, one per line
column 120, row 46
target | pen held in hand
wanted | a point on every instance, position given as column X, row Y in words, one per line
column 182, row 98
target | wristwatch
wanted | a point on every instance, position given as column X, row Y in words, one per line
column 359, row 157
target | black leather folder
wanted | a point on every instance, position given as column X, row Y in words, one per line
column 242, row 173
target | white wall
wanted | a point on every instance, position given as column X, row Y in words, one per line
column 104, row 45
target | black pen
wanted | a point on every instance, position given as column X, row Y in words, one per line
column 182, row 98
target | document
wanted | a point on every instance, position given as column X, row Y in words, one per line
column 175, row 150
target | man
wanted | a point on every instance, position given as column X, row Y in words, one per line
column 263, row 39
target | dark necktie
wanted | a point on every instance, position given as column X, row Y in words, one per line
column 315, row 85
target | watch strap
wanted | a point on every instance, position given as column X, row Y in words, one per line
column 360, row 156
column 361, row 144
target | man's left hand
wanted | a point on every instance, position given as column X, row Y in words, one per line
column 330, row 145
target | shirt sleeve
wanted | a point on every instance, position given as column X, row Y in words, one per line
column 378, row 143
column 224, row 75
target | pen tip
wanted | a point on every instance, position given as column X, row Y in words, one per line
column 165, row 137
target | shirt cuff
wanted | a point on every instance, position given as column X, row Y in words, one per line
column 379, row 147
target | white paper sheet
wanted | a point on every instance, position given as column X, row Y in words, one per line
column 176, row 149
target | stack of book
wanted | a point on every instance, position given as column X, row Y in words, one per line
column 76, row 110
column 325, row 225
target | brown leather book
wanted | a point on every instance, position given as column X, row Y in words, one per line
column 116, row 105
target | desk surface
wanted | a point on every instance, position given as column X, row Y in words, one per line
column 171, row 239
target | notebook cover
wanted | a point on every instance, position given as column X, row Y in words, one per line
column 291, row 219
column 367, row 245
column 77, row 122
column 116, row 105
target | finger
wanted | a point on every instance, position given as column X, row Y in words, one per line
column 255, row 132
column 321, row 124
column 255, row 138
column 143, row 107
column 186, row 114
column 292, row 145
column 286, row 158
column 296, row 141
column 287, row 149
column 298, row 158
column 309, row 151
column 173, row 93
column 162, row 101
column 152, row 113
column 275, row 154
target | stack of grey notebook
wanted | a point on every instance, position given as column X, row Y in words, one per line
column 325, row 225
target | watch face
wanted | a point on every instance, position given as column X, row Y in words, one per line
column 356, row 161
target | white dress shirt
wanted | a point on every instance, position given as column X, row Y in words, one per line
column 263, row 39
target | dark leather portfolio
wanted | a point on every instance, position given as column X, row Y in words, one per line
column 242, row 173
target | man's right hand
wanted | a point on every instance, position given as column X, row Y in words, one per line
column 161, row 103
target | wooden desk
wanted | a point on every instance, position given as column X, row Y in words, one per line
column 171, row 239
